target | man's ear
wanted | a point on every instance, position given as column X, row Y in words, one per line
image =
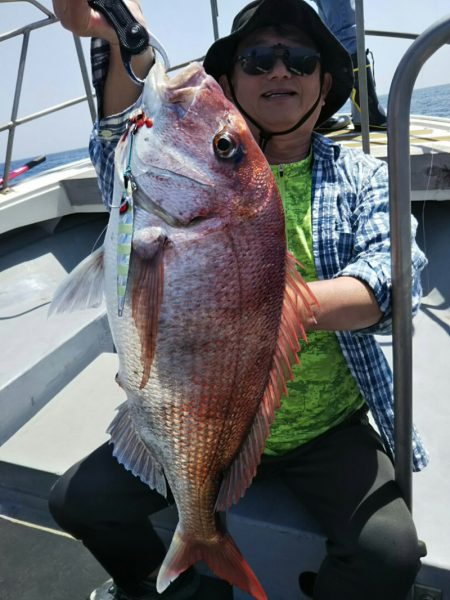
column 326, row 86
column 223, row 82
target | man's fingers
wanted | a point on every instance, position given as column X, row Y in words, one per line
column 74, row 15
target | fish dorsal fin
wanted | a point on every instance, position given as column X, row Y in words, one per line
column 241, row 472
column 82, row 288
column 132, row 453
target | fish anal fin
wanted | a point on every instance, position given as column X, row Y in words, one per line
column 243, row 469
column 133, row 454
column 82, row 288
column 221, row 555
column 147, row 295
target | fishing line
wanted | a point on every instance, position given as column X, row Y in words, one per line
column 35, row 526
column 430, row 170
column 126, row 176
column 25, row 312
column 98, row 238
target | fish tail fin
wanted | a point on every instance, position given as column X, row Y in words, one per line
column 222, row 557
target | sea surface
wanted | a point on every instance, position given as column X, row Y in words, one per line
column 432, row 101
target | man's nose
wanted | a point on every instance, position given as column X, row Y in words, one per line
column 279, row 69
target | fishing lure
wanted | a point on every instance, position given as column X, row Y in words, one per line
column 126, row 212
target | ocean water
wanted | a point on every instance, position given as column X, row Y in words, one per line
column 51, row 161
column 432, row 101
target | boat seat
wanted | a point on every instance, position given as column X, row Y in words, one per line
column 278, row 537
column 82, row 190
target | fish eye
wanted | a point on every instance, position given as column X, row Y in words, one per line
column 225, row 145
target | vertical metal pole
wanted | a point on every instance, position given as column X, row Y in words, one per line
column 15, row 108
column 362, row 74
column 400, row 209
column 215, row 14
column 85, row 76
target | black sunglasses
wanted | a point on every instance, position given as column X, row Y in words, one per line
column 262, row 59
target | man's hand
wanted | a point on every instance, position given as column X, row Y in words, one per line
column 79, row 18
column 119, row 90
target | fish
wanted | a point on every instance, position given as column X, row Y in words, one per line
column 204, row 304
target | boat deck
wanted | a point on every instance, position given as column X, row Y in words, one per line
column 68, row 571
column 429, row 150
column 61, row 191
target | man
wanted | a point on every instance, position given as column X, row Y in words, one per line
column 286, row 72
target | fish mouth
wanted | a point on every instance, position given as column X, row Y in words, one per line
column 179, row 91
column 183, row 88
column 146, row 203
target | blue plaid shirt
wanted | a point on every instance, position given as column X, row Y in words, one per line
column 350, row 224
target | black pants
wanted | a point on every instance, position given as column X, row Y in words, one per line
column 344, row 477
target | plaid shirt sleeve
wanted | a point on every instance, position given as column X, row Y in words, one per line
column 107, row 130
column 371, row 261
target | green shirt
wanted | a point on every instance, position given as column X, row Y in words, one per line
column 323, row 392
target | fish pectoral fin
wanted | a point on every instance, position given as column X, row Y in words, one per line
column 242, row 470
column 297, row 297
column 133, row 454
column 82, row 288
column 147, row 296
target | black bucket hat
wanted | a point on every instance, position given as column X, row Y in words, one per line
column 265, row 13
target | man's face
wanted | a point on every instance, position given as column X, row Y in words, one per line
column 279, row 98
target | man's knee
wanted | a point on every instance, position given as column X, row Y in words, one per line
column 389, row 547
column 98, row 494
column 380, row 561
column 68, row 507
column 81, row 498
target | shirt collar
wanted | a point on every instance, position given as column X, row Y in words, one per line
column 324, row 148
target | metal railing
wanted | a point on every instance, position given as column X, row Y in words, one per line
column 15, row 122
column 399, row 104
column 25, row 31
column 362, row 74
column 361, row 33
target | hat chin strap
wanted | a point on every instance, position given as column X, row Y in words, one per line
column 264, row 135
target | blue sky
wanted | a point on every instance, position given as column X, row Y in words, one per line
column 185, row 28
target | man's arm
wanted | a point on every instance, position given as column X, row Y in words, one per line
column 345, row 303
column 359, row 296
column 119, row 90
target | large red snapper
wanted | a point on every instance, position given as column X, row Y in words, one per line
column 210, row 320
